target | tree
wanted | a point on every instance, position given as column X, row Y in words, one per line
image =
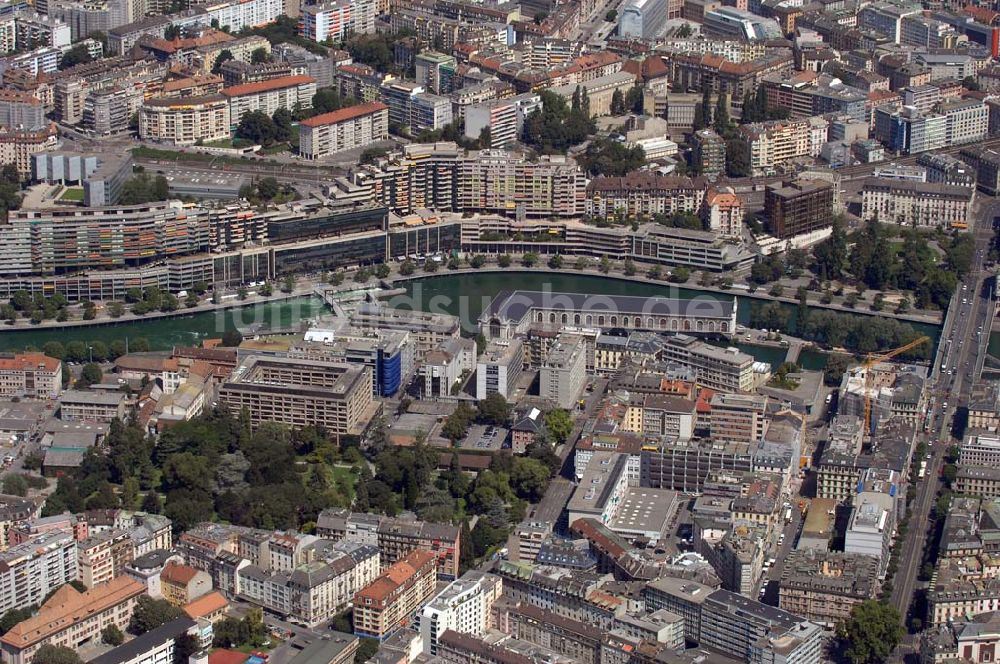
column 477, row 261
column 50, row 654
column 259, row 56
column 871, row 633
column 288, row 283
column 431, row 265
column 555, row 262
column 78, row 54
column 326, row 100
column 529, row 259
column 90, row 375
column 529, row 478
column 54, row 349
column 494, row 409
column 617, row 103
column 722, row 123
column 628, row 267
column 231, row 338
column 607, row 157
column 559, row 424
column 112, row 636
column 485, row 138
column 611, row 16
column 225, row 55
column 680, row 275
column 256, row 126
column 504, row 260
column 407, row 267
column 15, row 485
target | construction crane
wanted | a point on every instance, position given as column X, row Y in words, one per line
column 874, row 358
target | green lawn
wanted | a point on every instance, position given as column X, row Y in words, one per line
column 74, row 194
column 343, row 475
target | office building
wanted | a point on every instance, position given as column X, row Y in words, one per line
column 725, row 369
column 30, row 375
column 797, row 208
column 157, row 646
column 739, row 418
column 823, row 586
column 412, row 106
column 185, row 120
column 72, row 619
column 756, row 632
column 345, row 129
column 642, row 19
column 601, row 490
column 563, row 375
column 301, row 392
column 464, row 606
column 499, row 367
column 383, row 605
column 916, row 204
column 268, row 96
column 683, row 597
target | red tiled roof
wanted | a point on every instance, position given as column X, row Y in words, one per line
column 26, row 361
column 177, row 574
column 343, row 114
column 264, row 86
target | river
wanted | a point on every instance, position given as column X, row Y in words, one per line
column 462, row 295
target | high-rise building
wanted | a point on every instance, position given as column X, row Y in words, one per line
column 563, row 375
column 464, row 606
column 798, row 207
column 268, row 96
column 709, row 152
column 498, row 368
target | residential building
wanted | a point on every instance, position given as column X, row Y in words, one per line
column 211, row 607
column 268, row 96
column 33, row 569
column 435, row 71
column 337, row 396
column 504, row 118
column 773, row 144
column 643, row 194
column 499, row 367
column 966, row 120
column 182, row 584
column 333, row 21
column 107, row 112
column 185, row 120
column 443, row 368
column 563, row 375
column 568, row 637
column 797, row 208
column 871, row 528
column 72, row 619
column 709, row 152
column 396, row 538
column 18, row 145
column 464, row 606
column 345, row 129
column 683, row 597
column 104, row 556
column 383, row 605
column 31, row 375
column 21, row 110
column 723, row 210
column 338, row 649
column 916, row 204
column 823, row 586
column 410, row 105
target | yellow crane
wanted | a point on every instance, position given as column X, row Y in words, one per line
column 874, row 358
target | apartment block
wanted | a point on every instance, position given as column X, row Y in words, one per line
column 723, row 210
column 920, row 204
column 382, row 606
column 725, row 369
column 302, row 392
column 464, row 606
column 395, row 538
column 314, row 591
column 33, row 569
column 268, row 96
column 345, row 129
column 31, row 375
column 498, row 368
column 72, row 619
column 104, row 556
column 563, row 375
column 709, row 153
column 185, row 120
column 157, row 646
column 504, row 118
column 76, row 405
column 774, row 143
column 756, row 632
column 568, row 637
column 823, row 586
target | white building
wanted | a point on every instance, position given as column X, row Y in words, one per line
column 464, row 607
column 642, row 18
column 185, row 120
column 268, row 96
column 966, row 120
column 908, row 203
column 498, row 368
column 504, row 118
column 564, row 374
column 335, row 20
column 872, row 527
column 724, row 212
column 344, row 129
column 443, row 368
column 29, row 571
column 239, row 14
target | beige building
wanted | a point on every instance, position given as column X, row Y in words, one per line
column 72, row 619
column 395, row 595
column 103, row 557
column 739, row 418
column 345, row 129
column 182, row 584
column 336, row 396
column 723, row 210
column 268, row 96
column 91, row 405
column 32, row 375
column 564, row 374
column 921, row 204
column 17, row 146
column 185, row 120
column 824, row 586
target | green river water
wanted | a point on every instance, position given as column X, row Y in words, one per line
column 464, row 295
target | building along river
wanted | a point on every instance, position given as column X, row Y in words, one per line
column 463, row 295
